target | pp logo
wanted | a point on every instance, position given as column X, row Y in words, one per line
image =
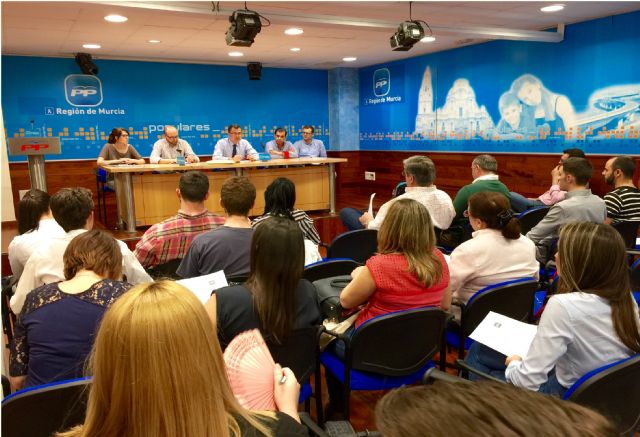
column 83, row 90
column 381, row 82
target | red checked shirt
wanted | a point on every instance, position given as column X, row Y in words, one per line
column 171, row 238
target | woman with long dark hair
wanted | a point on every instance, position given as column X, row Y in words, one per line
column 590, row 322
column 275, row 298
column 118, row 150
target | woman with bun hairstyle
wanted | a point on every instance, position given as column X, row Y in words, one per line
column 118, row 150
column 497, row 252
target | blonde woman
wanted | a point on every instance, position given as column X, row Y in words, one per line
column 158, row 371
column 408, row 271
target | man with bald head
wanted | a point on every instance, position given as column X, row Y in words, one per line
column 167, row 149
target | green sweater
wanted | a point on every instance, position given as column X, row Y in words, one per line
column 462, row 198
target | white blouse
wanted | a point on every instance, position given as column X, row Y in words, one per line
column 575, row 335
column 489, row 258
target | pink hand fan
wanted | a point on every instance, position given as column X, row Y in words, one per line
column 250, row 370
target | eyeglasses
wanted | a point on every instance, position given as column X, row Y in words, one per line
column 466, row 213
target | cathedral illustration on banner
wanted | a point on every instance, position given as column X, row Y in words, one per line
column 460, row 114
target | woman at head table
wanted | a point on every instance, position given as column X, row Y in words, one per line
column 118, row 150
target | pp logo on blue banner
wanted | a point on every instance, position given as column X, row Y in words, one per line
column 381, row 82
column 83, row 90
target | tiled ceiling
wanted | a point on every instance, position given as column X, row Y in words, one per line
column 192, row 32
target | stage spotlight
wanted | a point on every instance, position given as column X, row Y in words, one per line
column 255, row 70
column 86, row 64
column 245, row 25
column 408, row 33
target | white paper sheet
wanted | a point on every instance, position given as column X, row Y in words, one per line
column 371, row 204
column 504, row 334
column 202, row 286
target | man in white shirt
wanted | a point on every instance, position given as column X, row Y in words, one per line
column 72, row 208
column 419, row 172
column 234, row 147
column 167, row 149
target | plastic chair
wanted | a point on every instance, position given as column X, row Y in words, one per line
column 399, row 189
column 613, row 390
column 629, row 232
column 43, row 410
column 357, row 245
column 513, row 298
column 530, row 218
column 329, row 268
column 300, row 353
column 101, row 190
column 388, row 351
column 166, row 270
column 237, row 280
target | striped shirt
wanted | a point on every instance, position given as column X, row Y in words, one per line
column 623, row 204
column 171, row 238
column 302, row 219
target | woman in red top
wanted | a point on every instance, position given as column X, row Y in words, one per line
column 408, row 272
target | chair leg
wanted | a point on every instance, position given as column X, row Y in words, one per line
column 318, row 396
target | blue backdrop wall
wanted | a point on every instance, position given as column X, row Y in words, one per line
column 47, row 97
column 512, row 96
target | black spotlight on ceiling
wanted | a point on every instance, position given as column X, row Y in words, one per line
column 408, row 33
column 255, row 70
column 86, row 64
column 245, row 25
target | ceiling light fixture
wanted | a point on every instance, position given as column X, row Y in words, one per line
column 295, row 49
column 236, row 54
column 350, row 59
column 245, row 25
column 115, row 18
column 552, row 8
column 91, row 46
column 154, row 41
column 294, row 31
column 408, row 33
column 428, row 39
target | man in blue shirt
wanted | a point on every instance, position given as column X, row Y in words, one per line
column 280, row 145
column 308, row 147
column 234, row 147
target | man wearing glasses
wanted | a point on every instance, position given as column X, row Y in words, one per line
column 308, row 147
column 167, row 149
column 519, row 203
column 234, row 147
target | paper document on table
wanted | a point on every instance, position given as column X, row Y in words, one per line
column 220, row 161
column 371, row 204
column 203, row 286
column 504, row 334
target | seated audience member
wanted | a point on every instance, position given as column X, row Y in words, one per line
column 623, row 203
column 166, row 150
column 234, row 147
column 35, row 226
column 419, row 173
column 278, row 146
column 226, row 247
column 72, row 208
column 484, row 172
column 554, row 194
column 496, row 252
column 158, row 371
column 592, row 320
column 170, row 239
column 275, row 298
column 118, row 150
column 279, row 200
column 55, row 329
column 579, row 206
column 307, row 147
column 485, row 409
column 408, row 271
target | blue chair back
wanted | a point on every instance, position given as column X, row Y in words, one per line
column 530, row 218
column 43, row 410
column 357, row 245
column 613, row 390
column 329, row 268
